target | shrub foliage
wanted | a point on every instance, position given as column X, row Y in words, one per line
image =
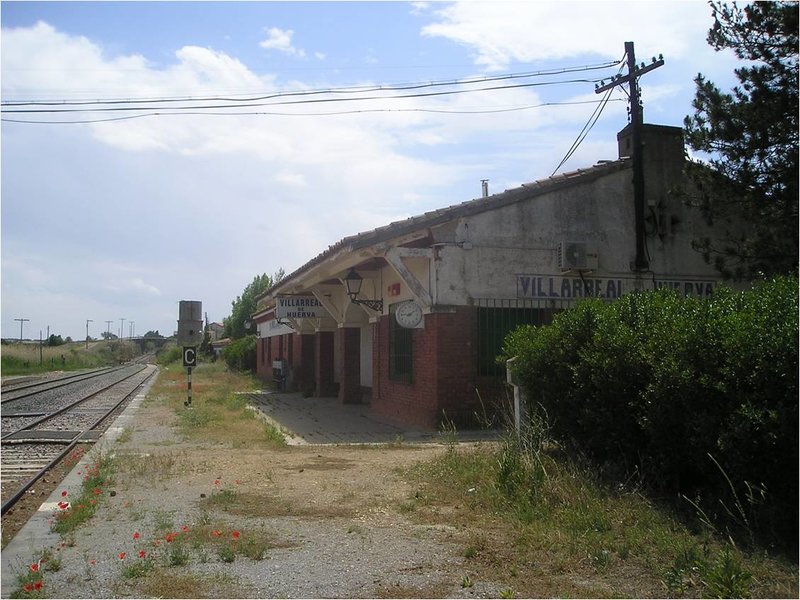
column 697, row 397
column 241, row 354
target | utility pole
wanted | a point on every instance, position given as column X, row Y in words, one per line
column 108, row 329
column 21, row 323
column 640, row 263
column 87, row 332
column 121, row 325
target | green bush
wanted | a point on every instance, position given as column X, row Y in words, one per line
column 169, row 354
column 241, row 354
column 698, row 397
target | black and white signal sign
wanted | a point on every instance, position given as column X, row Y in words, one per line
column 189, row 356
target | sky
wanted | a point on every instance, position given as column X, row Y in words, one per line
column 199, row 144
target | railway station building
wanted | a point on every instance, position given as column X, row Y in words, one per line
column 411, row 316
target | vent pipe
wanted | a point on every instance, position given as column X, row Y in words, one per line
column 485, row 187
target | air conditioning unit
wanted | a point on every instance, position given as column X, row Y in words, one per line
column 576, row 256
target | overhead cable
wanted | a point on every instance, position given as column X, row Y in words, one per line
column 340, row 90
column 298, row 114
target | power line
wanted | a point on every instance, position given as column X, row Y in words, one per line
column 340, row 90
column 590, row 123
column 298, row 102
column 307, row 114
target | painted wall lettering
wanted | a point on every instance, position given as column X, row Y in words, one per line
column 554, row 286
column 298, row 307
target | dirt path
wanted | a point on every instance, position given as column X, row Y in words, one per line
column 330, row 519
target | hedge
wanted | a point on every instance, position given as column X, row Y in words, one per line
column 240, row 355
column 697, row 396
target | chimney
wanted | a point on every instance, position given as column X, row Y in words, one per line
column 660, row 143
column 485, row 188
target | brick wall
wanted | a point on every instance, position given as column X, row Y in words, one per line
column 303, row 363
column 443, row 371
column 456, row 360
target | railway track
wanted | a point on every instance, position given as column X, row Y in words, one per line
column 40, row 428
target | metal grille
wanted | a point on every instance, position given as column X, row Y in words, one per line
column 498, row 317
column 400, row 350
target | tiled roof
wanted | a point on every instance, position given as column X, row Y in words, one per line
column 471, row 207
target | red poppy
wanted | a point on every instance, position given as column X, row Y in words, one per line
column 170, row 537
column 93, row 562
column 185, row 529
column 136, row 535
column 142, row 554
column 122, row 556
column 216, row 482
column 63, row 493
column 97, row 491
column 235, row 535
column 28, row 587
column 216, row 533
column 35, row 567
column 37, row 585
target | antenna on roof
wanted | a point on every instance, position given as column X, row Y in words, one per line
column 485, row 188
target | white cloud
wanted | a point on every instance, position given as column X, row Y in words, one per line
column 501, row 33
column 134, row 285
column 192, row 206
column 281, row 40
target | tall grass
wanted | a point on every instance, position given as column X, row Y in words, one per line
column 218, row 401
column 556, row 514
column 23, row 359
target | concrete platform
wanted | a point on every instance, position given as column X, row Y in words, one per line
column 328, row 421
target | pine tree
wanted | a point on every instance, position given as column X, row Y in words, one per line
column 751, row 135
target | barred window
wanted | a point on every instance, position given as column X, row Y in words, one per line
column 400, row 349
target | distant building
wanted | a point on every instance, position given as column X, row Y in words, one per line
column 217, row 346
column 216, row 331
column 454, row 281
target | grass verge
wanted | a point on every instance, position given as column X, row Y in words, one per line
column 546, row 525
column 220, row 410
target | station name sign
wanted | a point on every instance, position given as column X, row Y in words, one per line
column 298, row 307
column 554, row 286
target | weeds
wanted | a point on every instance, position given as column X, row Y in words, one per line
column 73, row 513
column 557, row 510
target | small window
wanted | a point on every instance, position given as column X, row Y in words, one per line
column 400, row 349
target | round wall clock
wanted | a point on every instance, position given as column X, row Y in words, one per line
column 408, row 314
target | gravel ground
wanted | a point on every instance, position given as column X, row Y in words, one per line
column 332, row 515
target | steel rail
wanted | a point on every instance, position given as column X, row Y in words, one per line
column 70, row 445
column 10, row 386
column 64, row 409
column 60, row 382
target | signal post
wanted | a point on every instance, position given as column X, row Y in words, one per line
column 190, row 335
